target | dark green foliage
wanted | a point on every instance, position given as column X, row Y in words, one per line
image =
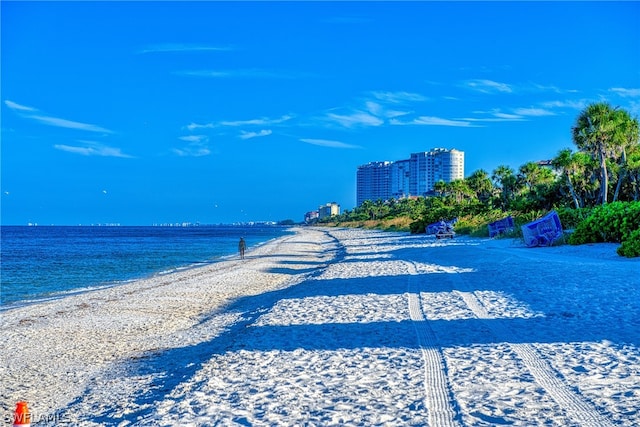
column 631, row 245
column 615, row 222
column 570, row 218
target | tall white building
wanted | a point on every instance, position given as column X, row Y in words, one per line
column 374, row 182
column 413, row 177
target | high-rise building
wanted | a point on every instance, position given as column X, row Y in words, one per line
column 400, row 177
column 374, row 181
column 328, row 210
column 413, row 177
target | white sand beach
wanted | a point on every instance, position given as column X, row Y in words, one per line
column 342, row 327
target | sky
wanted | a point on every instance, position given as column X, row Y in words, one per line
column 142, row 113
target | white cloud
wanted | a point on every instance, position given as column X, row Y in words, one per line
column 256, row 122
column 398, row 97
column 627, row 93
column 27, row 112
column 194, row 126
column 433, row 121
column 264, row 121
column 18, row 107
column 536, row 112
column 573, row 104
column 192, row 151
column 507, row 116
column 358, row 118
column 390, row 114
column 328, row 143
column 488, row 86
column 69, row 124
column 90, row 148
column 249, row 73
column 195, row 138
column 249, row 135
column 374, row 108
column 495, row 115
column 197, row 146
column 179, row 47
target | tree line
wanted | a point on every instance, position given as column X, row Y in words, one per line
column 603, row 168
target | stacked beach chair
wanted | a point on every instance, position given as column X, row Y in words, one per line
column 542, row 232
column 442, row 229
column 501, row 226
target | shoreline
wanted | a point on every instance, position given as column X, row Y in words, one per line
column 42, row 298
column 122, row 322
column 321, row 306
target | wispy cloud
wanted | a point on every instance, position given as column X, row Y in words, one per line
column 380, row 110
column 328, row 143
column 398, row 97
column 355, row 119
column 263, row 121
column 433, row 121
column 578, row 104
column 625, row 92
column 248, row 73
column 507, row 116
column 17, row 107
column 249, row 135
column 91, row 148
column 533, row 112
column 194, row 126
column 495, row 118
column 487, row 86
column 514, row 115
column 181, row 47
column 69, row 124
column 375, row 109
column 197, row 146
column 34, row 114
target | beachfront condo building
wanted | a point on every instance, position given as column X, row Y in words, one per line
column 328, row 210
column 415, row 176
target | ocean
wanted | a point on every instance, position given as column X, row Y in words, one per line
column 43, row 262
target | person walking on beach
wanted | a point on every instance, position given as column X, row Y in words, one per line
column 242, row 245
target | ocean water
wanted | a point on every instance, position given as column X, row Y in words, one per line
column 52, row 261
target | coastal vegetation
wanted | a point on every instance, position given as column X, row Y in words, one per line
column 595, row 190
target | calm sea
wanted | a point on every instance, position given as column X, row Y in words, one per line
column 52, row 261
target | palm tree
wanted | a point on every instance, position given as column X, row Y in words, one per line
column 481, row 184
column 459, row 189
column 505, row 179
column 595, row 132
column 566, row 163
column 440, row 187
column 627, row 139
column 633, row 167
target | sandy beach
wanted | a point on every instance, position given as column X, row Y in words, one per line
column 342, row 327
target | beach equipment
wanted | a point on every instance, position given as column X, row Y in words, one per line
column 501, row 226
column 542, row 232
column 21, row 416
column 442, row 229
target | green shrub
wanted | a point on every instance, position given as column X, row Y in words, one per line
column 614, row 222
column 631, row 245
column 570, row 218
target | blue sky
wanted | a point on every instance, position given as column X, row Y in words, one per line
column 143, row 112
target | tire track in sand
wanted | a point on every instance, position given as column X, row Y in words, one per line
column 438, row 397
column 576, row 408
